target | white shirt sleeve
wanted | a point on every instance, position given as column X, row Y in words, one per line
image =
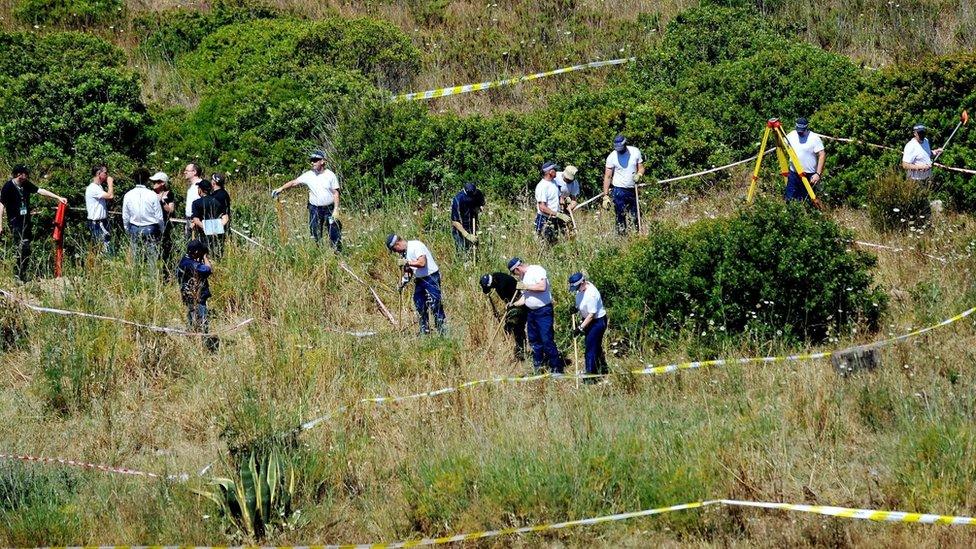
column 333, row 181
column 540, row 193
column 638, row 156
column 908, row 155
column 612, row 160
column 126, row 210
column 305, row 178
column 817, row 143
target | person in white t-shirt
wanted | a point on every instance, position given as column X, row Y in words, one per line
column 809, row 149
column 624, row 169
column 549, row 219
column 417, row 261
column 537, row 297
column 193, row 174
column 593, row 323
column 918, row 156
column 323, row 199
column 96, row 198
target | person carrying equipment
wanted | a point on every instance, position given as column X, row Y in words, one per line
column 323, row 199
column 624, row 169
column 917, row 157
column 537, row 297
column 15, row 202
column 593, row 323
column 549, row 220
column 516, row 317
column 465, row 209
column 809, row 149
column 415, row 257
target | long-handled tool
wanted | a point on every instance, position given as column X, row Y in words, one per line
column 474, row 233
column 282, row 232
column 963, row 119
column 501, row 322
column 576, row 351
column 786, row 156
column 637, row 201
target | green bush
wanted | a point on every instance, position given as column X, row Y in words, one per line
column 24, row 52
column 69, row 13
column 171, row 33
column 896, row 202
column 774, row 271
column 287, row 48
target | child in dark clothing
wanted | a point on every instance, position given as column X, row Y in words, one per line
column 192, row 275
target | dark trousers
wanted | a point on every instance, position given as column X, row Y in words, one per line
column 98, row 228
column 596, row 361
column 22, row 243
column 427, row 296
column 144, row 241
column 318, row 216
column 795, row 189
column 624, row 204
column 197, row 317
column 548, row 228
column 542, row 338
column 515, row 320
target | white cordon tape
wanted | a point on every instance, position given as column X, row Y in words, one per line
column 182, row 477
column 682, row 177
column 150, row 327
column 894, row 249
column 832, row 511
column 455, row 90
column 887, row 148
column 648, row 370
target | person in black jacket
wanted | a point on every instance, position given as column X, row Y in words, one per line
column 516, row 317
column 210, row 218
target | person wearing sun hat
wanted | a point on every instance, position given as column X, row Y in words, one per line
column 593, row 323
column 569, row 188
column 549, row 220
column 537, row 297
column 167, row 201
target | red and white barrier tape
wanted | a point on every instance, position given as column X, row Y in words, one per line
column 92, row 466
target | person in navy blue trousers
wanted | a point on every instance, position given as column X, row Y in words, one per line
column 537, row 297
column 417, row 260
column 593, row 324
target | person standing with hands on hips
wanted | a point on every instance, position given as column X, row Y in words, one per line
column 323, row 199
column 624, row 169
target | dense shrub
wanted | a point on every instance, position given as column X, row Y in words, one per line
column 896, row 202
column 773, row 271
column 171, row 33
column 70, row 13
column 24, row 52
column 286, row 48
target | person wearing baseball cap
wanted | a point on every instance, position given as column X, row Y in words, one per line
column 516, row 317
column 569, row 188
column 917, row 157
column 624, row 169
column 416, row 259
column 593, row 323
column 549, row 220
column 167, row 201
column 96, row 206
column 809, row 149
column 465, row 208
column 537, row 296
column 323, row 199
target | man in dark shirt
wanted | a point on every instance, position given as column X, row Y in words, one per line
column 167, row 199
column 15, row 202
column 210, row 217
column 515, row 317
column 193, row 274
column 465, row 208
column 218, row 181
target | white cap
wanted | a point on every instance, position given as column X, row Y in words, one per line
column 160, row 176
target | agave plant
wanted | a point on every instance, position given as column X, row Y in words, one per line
column 259, row 499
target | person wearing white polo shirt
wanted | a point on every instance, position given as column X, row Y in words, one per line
column 416, row 257
column 593, row 323
column 918, row 156
column 323, row 199
column 96, row 198
column 624, row 169
column 537, row 297
column 549, row 220
column 809, row 149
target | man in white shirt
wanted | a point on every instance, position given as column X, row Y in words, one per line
column 809, row 149
column 549, row 220
column 593, row 324
column 569, row 188
column 537, row 296
column 96, row 198
column 624, row 169
column 323, row 199
column 918, row 155
column 142, row 217
column 417, row 260
column 193, row 174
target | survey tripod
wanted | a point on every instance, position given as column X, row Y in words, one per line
column 786, row 156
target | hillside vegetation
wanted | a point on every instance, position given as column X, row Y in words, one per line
column 249, row 89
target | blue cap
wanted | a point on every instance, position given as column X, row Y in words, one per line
column 918, row 128
column 548, row 166
column 575, row 280
column 514, row 262
column 619, row 140
column 196, row 247
column 486, row 283
column 470, row 188
column 316, row 155
column 802, row 124
column 391, row 239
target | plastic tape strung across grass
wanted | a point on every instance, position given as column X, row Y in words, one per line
column 455, row 90
column 649, row 370
column 162, row 329
column 840, row 512
column 93, row 466
column 894, row 249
